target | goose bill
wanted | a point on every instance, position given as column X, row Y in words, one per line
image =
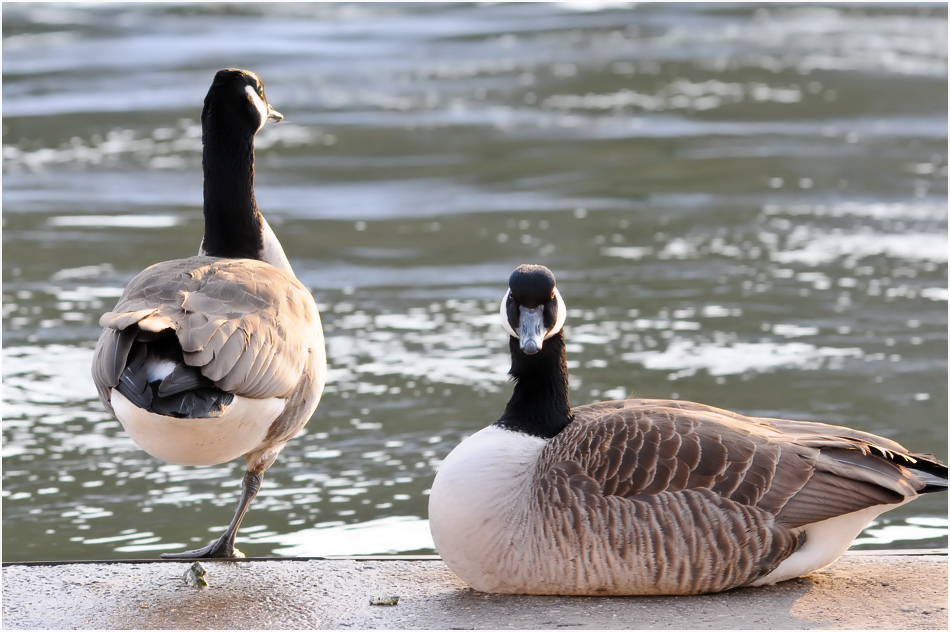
column 531, row 329
column 274, row 115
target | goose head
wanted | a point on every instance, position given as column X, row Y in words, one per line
column 236, row 100
column 532, row 310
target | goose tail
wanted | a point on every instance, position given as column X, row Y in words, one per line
column 931, row 472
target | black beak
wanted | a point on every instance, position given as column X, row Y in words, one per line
column 531, row 330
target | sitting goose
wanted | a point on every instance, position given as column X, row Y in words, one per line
column 221, row 355
column 649, row 497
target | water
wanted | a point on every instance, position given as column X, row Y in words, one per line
column 744, row 206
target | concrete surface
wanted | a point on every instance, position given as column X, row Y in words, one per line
column 857, row 592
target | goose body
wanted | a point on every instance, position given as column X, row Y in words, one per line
column 649, row 497
column 219, row 355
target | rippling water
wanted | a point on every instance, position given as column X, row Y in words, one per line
column 744, row 206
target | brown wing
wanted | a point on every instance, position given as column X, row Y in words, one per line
column 248, row 325
column 686, row 542
column 797, row 471
column 703, row 488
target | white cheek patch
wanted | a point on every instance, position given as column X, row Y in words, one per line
column 558, row 324
column 504, row 315
column 258, row 103
column 561, row 315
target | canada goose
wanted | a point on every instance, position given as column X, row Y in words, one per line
column 649, row 497
column 221, row 355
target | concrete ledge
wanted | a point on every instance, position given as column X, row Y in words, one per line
column 860, row 591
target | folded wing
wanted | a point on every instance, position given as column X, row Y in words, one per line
column 246, row 325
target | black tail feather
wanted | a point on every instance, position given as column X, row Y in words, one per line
column 183, row 393
column 931, row 471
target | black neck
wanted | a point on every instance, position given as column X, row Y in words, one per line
column 539, row 403
column 233, row 224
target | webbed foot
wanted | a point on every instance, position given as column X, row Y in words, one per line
column 215, row 550
column 223, row 547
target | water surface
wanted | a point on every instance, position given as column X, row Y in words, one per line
column 744, row 206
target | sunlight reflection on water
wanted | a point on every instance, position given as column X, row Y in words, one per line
column 744, row 206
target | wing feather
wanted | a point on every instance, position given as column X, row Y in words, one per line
column 687, row 542
column 796, row 472
column 226, row 358
column 247, row 325
column 121, row 320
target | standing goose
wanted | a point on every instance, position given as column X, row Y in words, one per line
column 649, row 497
column 221, row 355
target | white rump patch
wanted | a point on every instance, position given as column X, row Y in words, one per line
column 158, row 370
column 825, row 542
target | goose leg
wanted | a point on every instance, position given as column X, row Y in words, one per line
column 224, row 546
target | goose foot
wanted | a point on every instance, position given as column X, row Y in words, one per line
column 223, row 547
column 215, row 550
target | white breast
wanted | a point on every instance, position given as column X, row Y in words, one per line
column 477, row 506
